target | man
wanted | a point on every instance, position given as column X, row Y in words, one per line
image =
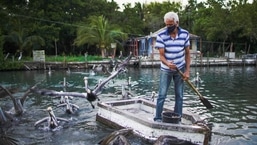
column 174, row 48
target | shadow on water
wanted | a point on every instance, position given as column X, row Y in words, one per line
column 232, row 91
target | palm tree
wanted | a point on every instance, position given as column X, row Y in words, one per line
column 24, row 43
column 100, row 32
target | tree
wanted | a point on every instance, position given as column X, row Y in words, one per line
column 24, row 43
column 99, row 32
column 154, row 12
column 56, row 21
column 245, row 21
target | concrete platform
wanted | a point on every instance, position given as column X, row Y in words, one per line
column 205, row 62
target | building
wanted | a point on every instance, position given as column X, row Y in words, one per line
column 145, row 46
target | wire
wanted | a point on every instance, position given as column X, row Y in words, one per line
column 57, row 22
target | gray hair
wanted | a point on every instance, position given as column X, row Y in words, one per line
column 171, row 16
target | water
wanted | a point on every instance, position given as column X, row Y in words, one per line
column 232, row 91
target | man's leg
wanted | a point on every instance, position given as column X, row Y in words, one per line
column 179, row 90
column 165, row 79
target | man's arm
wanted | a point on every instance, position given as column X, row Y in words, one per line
column 188, row 61
column 164, row 60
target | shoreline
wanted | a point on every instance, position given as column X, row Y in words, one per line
column 140, row 63
column 207, row 62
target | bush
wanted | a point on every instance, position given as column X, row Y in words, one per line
column 10, row 64
column 7, row 65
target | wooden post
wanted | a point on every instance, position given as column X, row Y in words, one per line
column 208, row 58
column 85, row 54
column 256, row 61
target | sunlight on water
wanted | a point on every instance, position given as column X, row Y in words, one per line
column 231, row 90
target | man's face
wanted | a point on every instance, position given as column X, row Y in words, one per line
column 171, row 26
column 169, row 23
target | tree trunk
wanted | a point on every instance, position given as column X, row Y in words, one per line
column 114, row 52
column 103, row 52
column 102, row 47
column 231, row 47
column 248, row 50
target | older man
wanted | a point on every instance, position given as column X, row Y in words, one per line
column 174, row 48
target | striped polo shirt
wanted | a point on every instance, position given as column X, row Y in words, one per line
column 174, row 48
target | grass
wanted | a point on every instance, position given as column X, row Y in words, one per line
column 72, row 58
column 13, row 63
column 61, row 58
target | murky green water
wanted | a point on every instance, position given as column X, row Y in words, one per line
column 232, row 91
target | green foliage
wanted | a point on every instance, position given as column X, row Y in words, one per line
column 24, row 42
column 99, row 32
column 9, row 65
column 73, row 58
column 57, row 23
column 154, row 12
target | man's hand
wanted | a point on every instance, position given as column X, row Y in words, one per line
column 171, row 65
column 186, row 75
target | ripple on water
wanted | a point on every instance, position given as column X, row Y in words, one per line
column 229, row 89
column 251, row 107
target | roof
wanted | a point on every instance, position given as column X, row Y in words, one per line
column 192, row 36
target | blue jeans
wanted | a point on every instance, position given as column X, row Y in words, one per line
column 165, row 80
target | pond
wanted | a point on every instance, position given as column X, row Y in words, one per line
column 232, row 91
